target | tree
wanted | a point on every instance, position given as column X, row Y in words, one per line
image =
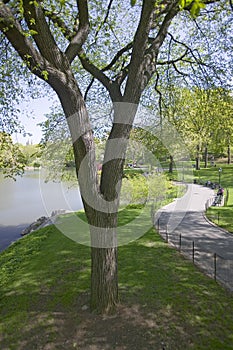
column 202, row 117
column 35, row 29
column 222, row 133
column 12, row 160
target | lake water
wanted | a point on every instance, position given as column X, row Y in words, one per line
column 28, row 198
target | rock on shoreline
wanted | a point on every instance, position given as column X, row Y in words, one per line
column 43, row 221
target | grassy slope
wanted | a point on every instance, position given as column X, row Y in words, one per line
column 44, row 277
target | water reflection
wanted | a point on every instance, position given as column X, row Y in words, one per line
column 29, row 197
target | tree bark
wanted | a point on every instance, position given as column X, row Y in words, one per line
column 171, row 163
column 100, row 202
column 198, row 158
column 206, row 156
column 104, row 280
column 229, row 153
column 104, row 272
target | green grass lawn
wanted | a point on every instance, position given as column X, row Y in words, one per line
column 45, row 280
column 222, row 216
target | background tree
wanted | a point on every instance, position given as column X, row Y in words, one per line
column 52, row 39
column 12, row 160
column 222, row 133
column 203, row 118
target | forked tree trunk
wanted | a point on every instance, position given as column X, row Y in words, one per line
column 101, row 213
column 101, row 201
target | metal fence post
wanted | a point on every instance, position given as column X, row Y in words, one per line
column 215, row 266
column 193, row 251
column 180, row 238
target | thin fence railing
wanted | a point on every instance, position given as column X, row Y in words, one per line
column 217, row 267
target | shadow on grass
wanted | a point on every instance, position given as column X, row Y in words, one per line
column 165, row 302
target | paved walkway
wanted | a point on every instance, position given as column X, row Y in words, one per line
column 184, row 225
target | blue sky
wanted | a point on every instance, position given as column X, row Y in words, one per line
column 32, row 113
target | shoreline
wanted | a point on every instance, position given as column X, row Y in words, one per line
column 10, row 234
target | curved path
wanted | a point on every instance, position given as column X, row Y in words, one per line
column 184, row 225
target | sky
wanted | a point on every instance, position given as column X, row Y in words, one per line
column 32, row 113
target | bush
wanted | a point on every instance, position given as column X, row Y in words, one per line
column 141, row 188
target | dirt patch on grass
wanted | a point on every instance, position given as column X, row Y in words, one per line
column 127, row 329
column 133, row 327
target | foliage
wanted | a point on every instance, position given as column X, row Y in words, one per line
column 12, row 160
column 17, row 84
column 31, row 153
column 144, row 187
column 201, row 117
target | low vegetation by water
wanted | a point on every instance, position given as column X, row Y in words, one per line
column 165, row 302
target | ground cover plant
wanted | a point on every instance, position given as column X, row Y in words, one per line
column 165, row 301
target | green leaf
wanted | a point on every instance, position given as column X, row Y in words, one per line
column 133, row 2
column 45, row 74
column 197, row 5
column 182, row 4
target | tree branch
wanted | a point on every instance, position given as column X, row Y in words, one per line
column 231, row 4
column 159, row 39
column 178, row 42
column 178, row 71
column 41, row 33
column 151, row 54
column 21, row 43
column 173, row 61
column 105, row 18
column 159, row 93
column 60, row 23
column 117, row 56
column 78, row 40
column 88, row 88
column 133, row 84
column 112, row 87
column 197, row 60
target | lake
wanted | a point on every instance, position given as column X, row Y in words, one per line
column 28, row 198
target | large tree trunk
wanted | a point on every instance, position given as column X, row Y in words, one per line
column 100, row 201
column 104, row 273
column 104, row 280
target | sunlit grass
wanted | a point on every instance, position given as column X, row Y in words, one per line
column 222, row 216
column 44, row 275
